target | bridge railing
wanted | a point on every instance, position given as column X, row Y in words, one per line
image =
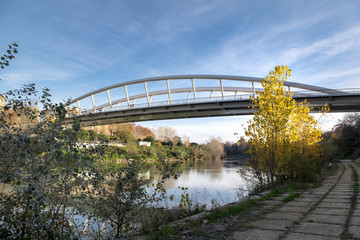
column 242, row 97
column 166, row 103
column 227, row 93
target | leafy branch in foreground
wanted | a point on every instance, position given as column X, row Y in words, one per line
column 46, row 179
column 9, row 55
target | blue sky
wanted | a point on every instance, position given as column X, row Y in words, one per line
column 73, row 47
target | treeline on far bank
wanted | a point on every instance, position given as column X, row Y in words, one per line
column 343, row 141
column 141, row 143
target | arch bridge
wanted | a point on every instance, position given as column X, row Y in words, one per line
column 187, row 96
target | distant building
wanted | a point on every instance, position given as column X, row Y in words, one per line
column 144, row 143
column 73, row 111
column 115, row 143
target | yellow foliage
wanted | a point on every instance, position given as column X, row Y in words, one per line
column 283, row 137
column 23, row 115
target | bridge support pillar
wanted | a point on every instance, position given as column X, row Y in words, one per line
column 193, row 85
column 93, row 103
column 127, row 96
column 222, row 89
column 147, row 93
column 169, row 92
column 78, row 103
column 108, row 94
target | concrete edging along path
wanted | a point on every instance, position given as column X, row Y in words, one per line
column 330, row 211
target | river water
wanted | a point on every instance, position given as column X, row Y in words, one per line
column 208, row 182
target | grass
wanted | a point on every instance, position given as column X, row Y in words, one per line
column 291, row 197
column 330, row 170
column 229, row 210
column 316, row 185
column 285, row 188
column 165, row 232
column 247, row 205
column 226, row 211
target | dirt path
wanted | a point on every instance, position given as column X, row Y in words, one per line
column 331, row 211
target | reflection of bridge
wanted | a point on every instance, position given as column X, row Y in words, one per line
column 223, row 99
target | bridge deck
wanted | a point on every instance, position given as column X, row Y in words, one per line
column 345, row 103
column 231, row 99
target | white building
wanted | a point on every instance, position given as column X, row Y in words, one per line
column 144, row 143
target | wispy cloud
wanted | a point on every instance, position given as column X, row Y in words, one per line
column 326, row 48
column 192, row 16
column 254, row 58
column 78, row 44
column 337, row 77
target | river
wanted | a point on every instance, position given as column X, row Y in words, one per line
column 208, row 182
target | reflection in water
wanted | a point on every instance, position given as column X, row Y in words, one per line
column 206, row 181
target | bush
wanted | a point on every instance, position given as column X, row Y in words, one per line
column 53, row 178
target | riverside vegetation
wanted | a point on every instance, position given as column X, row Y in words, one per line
column 49, row 182
column 52, row 180
column 172, row 148
column 283, row 137
column 286, row 149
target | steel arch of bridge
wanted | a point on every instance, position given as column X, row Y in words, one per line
column 192, row 90
column 237, row 94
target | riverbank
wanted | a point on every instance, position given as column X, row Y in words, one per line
column 329, row 210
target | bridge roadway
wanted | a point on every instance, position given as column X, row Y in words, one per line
column 338, row 103
column 231, row 99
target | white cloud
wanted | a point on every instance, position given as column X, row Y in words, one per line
column 337, row 77
column 325, row 48
column 15, row 79
column 241, row 56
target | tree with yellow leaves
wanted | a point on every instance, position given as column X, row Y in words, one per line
column 283, row 137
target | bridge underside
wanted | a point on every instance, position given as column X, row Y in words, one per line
column 347, row 103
